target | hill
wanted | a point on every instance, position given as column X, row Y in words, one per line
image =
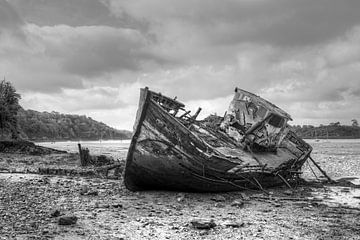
column 54, row 126
column 331, row 131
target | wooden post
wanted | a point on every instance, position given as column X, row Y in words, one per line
column 82, row 162
column 86, row 156
column 196, row 114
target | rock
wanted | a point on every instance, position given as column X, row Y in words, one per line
column 266, row 210
column 218, row 198
column 55, row 213
column 44, row 180
column 119, row 238
column 92, row 193
column 33, row 224
column 234, row 224
column 288, row 192
column 104, row 206
column 180, row 197
column 245, row 197
column 219, row 205
column 237, row 203
column 117, row 205
column 201, row 223
column 80, row 232
column 67, row 220
column 84, row 189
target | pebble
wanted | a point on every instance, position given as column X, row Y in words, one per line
column 234, row 224
column 245, row 197
column 55, row 213
column 201, row 223
column 67, row 220
column 288, row 192
column 84, row 189
column 180, row 197
column 237, row 203
column 218, row 198
column 219, row 205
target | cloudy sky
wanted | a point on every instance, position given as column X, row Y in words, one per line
column 92, row 56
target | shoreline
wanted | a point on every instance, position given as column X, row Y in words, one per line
column 77, row 140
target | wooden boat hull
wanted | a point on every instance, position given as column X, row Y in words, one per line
column 164, row 154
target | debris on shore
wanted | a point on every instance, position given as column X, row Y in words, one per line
column 26, row 147
column 27, row 157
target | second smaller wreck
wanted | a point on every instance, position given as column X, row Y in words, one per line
column 252, row 146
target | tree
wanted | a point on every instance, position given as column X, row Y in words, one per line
column 9, row 106
column 354, row 123
column 336, row 124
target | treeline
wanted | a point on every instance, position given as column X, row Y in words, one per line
column 54, row 126
column 331, row 131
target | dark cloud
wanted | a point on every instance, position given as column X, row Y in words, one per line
column 73, row 13
column 229, row 22
column 287, row 23
column 38, row 75
column 303, row 55
column 10, row 21
column 93, row 57
column 309, row 22
column 355, row 92
column 107, row 55
column 45, row 82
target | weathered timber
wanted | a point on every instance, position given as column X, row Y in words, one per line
column 320, row 169
column 86, row 157
column 180, row 153
column 82, row 161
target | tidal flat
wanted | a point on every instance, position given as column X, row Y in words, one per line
column 31, row 204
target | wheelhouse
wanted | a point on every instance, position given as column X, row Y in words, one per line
column 253, row 120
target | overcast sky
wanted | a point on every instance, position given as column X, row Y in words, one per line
column 92, row 56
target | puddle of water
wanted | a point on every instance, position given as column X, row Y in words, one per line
column 341, row 196
column 352, row 179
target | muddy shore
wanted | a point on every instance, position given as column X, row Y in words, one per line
column 112, row 212
column 31, row 206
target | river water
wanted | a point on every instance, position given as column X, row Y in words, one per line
column 114, row 148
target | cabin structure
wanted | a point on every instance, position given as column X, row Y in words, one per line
column 254, row 121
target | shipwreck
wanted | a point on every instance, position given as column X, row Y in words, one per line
column 250, row 147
